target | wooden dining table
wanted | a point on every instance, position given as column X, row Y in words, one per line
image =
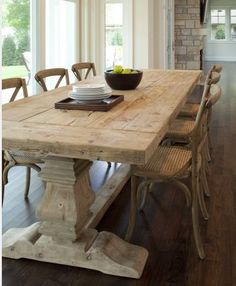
column 68, row 141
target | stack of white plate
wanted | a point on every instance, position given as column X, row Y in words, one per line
column 89, row 93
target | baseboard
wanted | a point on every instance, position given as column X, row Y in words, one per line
column 220, row 59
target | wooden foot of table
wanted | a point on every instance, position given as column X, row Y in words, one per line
column 102, row 251
column 68, row 213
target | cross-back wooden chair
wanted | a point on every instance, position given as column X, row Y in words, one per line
column 27, row 60
column 16, row 83
column 40, row 76
column 215, row 68
column 87, row 67
column 183, row 125
column 12, row 159
column 172, row 164
column 190, row 110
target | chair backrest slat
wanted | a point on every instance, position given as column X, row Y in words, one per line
column 211, row 95
column 40, row 77
column 16, row 83
column 214, row 77
column 215, row 94
column 217, row 68
column 77, row 69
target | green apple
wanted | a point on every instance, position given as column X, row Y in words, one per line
column 126, row 71
column 118, row 69
column 134, row 71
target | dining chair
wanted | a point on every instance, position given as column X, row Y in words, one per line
column 27, row 60
column 17, row 158
column 16, row 83
column 172, row 164
column 215, row 68
column 58, row 73
column 180, row 132
column 190, row 109
column 189, row 112
column 85, row 67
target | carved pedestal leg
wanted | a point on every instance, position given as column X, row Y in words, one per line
column 61, row 238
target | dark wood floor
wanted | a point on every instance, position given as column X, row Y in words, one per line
column 164, row 227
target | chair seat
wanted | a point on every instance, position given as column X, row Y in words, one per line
column 180, row 128
column 189, row 110
column 166, row 162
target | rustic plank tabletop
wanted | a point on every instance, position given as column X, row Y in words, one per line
column 128, row 133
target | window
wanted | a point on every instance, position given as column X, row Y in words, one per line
column 223, row 24
column 114, row 33
column 218, row 21
column 233, row 24
column 16, row 53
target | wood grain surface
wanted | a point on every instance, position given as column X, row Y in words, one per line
column 164, row 227
column 145, row 114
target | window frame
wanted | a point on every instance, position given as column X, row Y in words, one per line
column 230, row 35
column 227, row 39
column 127, row 31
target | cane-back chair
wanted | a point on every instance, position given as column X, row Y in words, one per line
column 172, row 164
column 9, row 158
column 59, row 73
column 86, row 67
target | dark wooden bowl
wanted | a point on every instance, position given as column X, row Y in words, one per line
column 123, row 81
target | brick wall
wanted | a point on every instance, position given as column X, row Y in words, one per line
column 188, row 38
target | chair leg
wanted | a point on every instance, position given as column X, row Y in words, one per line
column 209, row 142
column 204, row 183
column 27, row 182
column 133, row 208
column 142, row 197
column 195, row 217
column 186, row 192
column 208, row 149
column 3, row 189
column 202, row 201
column 5, row 177
column 206, row 158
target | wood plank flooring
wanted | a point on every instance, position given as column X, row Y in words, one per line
column 164, row 227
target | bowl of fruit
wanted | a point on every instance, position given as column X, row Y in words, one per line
column 123, row 78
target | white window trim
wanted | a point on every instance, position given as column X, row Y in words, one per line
column 37, row 39
column 228, row 39
column 127, row 31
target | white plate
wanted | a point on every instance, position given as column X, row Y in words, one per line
column 93, row 97
column 89, row 98
column 89, row 86
column 86, row 90
column 92, row 92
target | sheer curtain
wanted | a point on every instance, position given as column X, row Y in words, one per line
column 60, row 40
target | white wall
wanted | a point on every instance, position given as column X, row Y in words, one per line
column 222, row 2
column 219, row 50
